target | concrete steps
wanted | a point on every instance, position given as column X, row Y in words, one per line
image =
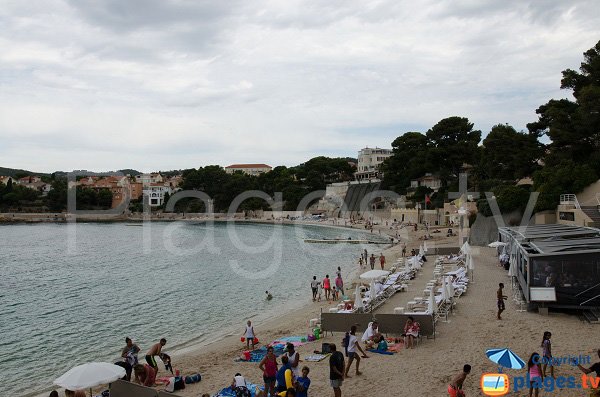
column 593, row 213
column 590, row 317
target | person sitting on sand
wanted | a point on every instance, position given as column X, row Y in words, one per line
column 293, row 357
column 239, row 386
column 280, row 377
column 455, row 387
column 411, row 331
column 155, row 350
column 371, row 334
column 144, row 375
column 303, row 383
column 382, row 346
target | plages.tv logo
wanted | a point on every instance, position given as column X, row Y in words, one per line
column 498, row 384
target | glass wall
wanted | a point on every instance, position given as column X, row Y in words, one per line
column 575, row 277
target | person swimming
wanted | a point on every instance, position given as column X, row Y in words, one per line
column 269, row 296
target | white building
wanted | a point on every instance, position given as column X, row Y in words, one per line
column 156, row 193
column 428, row 180
column 250, row 169
column 369, row 160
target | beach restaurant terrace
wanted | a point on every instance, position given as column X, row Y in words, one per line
column 555, row 265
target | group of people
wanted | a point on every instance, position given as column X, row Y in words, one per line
column 332, row 290
column 145, row 374
column 365, row 258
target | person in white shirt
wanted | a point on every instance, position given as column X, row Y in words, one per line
column 314, row 285
column 293, row 358
column 239, row 386
column 249, row 335
column 353, row 345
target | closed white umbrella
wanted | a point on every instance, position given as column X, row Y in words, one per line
column 421, row 250
column 425, row 246
column 406, row 267
column 512, row 269
column 358, row 303
column 90, row 375
column 471, row 265
column 450, row 288
column 444, row 290
column 466, row 248
column 431, row 304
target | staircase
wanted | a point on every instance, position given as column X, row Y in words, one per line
column 594, row 213
column 592, row 316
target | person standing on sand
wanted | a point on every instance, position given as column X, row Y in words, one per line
column 365, row 256
column 382, row 261
column 372, row 261
column 352, row 354
column 339, row 283
column 155, row 350
column 327, row 287
column 403, row 250
column 314, row 286
column 500, row 297
column 336, row 370
column 269, row 367
column 249, row 335
column 455, row 387
column 547, row 354
column 594, row 368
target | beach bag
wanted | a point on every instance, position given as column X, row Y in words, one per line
column 195, row 378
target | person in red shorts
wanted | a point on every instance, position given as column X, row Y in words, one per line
column 455, row 387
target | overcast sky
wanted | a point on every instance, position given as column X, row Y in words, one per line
column 171, row 84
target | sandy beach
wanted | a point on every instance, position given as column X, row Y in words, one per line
column 426, row 370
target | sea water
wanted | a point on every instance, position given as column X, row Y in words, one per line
column 70, row 294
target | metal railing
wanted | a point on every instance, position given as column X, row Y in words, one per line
column 595, row 297
column 570, row 199
column 583, row 292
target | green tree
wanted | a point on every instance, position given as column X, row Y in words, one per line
column 574, row 126
column 453, row 142
column 410, row 160
column 508, row 155
column 563, row 178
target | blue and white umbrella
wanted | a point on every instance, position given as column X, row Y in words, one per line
column 505, row 358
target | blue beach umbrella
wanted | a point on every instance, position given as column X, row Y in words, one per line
column 505, row 358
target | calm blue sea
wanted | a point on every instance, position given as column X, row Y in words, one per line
column 69, row 294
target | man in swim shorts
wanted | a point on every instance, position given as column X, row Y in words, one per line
column 455, row 387
column 155, row 350
column 500, row 298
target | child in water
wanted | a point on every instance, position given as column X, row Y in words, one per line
column 269, row 296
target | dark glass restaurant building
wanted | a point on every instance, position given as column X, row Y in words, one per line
column 561, row 261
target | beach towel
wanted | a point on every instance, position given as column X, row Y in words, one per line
column 384, row 352
column 258, row 354
column 316, row 357
column 229, row 392
column 294, row 340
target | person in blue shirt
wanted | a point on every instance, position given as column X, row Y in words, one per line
column 302, row 383
column 280, row 377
